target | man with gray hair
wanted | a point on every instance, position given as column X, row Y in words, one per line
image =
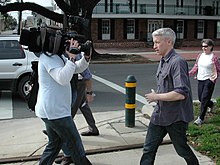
column 173, row 97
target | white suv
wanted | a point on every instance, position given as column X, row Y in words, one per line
column 15, row 65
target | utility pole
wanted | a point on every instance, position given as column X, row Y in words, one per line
column 65, row 19
column 19, row 19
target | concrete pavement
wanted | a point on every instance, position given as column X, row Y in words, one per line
column 22, row 140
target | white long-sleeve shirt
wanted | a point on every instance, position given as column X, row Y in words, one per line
column 54, row 95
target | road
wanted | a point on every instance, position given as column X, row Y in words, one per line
column 108, row 86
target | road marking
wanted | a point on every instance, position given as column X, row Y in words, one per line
column 139, row 98
column 6, row 110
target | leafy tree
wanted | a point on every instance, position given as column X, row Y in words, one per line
column 76, row 12
column 4, row 2
column 10, row 22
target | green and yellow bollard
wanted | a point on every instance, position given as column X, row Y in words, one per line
column 130, row 86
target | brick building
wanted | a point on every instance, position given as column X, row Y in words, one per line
column 129, row 23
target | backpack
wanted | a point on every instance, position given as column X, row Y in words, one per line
column 31, row 97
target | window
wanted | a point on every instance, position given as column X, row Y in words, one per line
column 106, row 29
column 11, row 49
column 105, row 26
column 130, row 28
column 200, row 26
column 180, row 29
column 152, row 26
column 200, row 29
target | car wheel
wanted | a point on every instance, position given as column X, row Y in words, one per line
column 23, row 87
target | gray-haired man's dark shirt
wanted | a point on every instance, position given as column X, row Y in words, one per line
column 172, row 75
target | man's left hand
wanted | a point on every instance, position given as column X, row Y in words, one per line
column 151, row 97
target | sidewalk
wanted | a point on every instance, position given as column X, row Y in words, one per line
column 189, row 53
column 22, row 139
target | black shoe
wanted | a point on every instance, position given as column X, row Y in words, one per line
column 63, row 160
column 90, row 133
column 86, row 161
column 66, row 161
column 45, row 132
column 59, row 160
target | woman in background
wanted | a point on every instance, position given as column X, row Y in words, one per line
column 207, row 68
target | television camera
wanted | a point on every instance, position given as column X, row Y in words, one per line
column 53, row 40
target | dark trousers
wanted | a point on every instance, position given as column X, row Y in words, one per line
column 177, row 133
column 82, row 104
column 63, row 131
column 205, row 90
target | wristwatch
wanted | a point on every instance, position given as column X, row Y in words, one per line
column 87, row 58
column 89, row 93
column 72, row 59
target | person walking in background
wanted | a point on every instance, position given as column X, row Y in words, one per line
column 84, row 96
column 173, row 97
column 54, row 104
column 207, row 68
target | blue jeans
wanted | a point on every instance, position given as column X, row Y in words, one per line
column 66, row 152
column 63, row 131
column 177, row 133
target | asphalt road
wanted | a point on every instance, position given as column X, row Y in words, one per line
column 108, row 85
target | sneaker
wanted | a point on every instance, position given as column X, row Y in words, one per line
column 198, row 121
column 211, row 109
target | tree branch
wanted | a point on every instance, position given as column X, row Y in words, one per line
column 63, row 6
column 33, row 7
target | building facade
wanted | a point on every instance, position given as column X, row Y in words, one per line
column 129, row 23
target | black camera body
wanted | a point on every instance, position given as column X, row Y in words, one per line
column 54, row 41
column 85, row 45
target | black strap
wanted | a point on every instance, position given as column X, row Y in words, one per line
column 74, row 81
column 62, row 59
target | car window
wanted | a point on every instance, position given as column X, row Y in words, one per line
column 11, row 49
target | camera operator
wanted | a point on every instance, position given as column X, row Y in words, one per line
column 54, row 104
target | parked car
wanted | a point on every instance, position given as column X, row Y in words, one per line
column 15, row 65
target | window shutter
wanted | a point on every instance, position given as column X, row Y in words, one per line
column 125, row 29
column 99, row 29
column 136, row 28
column 112, row 36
